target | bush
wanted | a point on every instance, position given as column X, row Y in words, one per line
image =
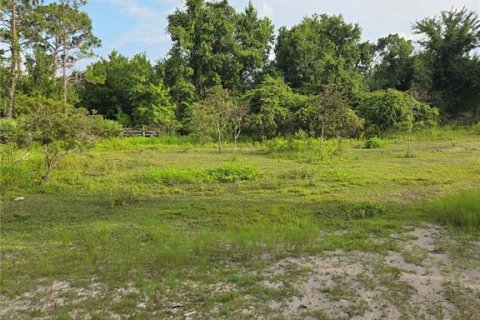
column 375, row 143
column 279, row 145
column 393, row 109
column 109, row 129
column 461, row 210
column 8, row 130
column 58, row 129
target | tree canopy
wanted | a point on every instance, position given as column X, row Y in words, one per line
column 227, row 66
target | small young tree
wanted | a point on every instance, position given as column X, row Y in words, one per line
column 210, row 118
column 59, row 132
column 238, row 113
column 330, row 114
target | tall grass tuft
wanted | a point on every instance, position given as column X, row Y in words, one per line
column 461, row 210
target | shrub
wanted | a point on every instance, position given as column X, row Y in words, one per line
column 8, row 130
column 393, row 109
column 109, row 129
column 60, row 130
column 375, row 143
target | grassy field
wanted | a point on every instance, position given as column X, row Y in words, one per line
column 147, row 228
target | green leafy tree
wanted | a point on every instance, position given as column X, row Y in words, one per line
column 255, row 37
column 152, row 107
column 40, row 80
column 322, row 50
column 452, row 68
column 66, row 32
column 177, row 74
column 203, row 35
column 214, row 45
column 12, row 18
column 128, row 90
column 329, row 114
column 46, row 122
column 394, row 67
column 210, row 118
column 272, row 105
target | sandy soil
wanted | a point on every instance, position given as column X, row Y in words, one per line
column 421, row 281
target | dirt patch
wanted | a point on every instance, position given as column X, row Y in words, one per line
column 46, row 301
column 420, row 280
column 415, row 283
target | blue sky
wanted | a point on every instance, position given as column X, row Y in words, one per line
column 133, row 26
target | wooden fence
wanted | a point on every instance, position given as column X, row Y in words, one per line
column 140, row 132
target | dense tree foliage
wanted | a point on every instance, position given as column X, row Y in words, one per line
column 322, row 50
column 393, row 109
column 329, row 114
column 453, row 70
column 226, row 74
column 128, row 90
column 395, row 61
column 273, row 103
column 65, row 33
column 214, row 45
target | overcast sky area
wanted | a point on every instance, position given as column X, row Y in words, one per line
column 133, row 26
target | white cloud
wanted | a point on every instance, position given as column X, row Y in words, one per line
column 377, row 18
column 266, row 10
column 149, row 23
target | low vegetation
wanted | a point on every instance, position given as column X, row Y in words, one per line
column 460, row 210
column 166, row 221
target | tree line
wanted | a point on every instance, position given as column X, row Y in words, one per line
column 228, row 73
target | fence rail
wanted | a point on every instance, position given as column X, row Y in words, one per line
column 140, row 132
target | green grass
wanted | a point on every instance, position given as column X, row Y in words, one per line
column 460, row 210
column 170, row 216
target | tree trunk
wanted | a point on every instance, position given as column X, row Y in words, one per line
column 55, row 68
column 19, row 61
column 64, row 77
column 49, row 164
column 13, row 62
column 322, row 133
column 219, row 138
column 64, row 63
column 409, row 142
column 235, row 141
